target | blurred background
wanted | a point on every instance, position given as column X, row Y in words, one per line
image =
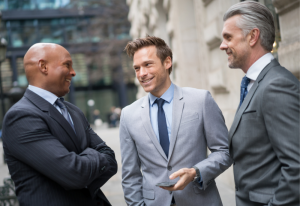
column 95, row 32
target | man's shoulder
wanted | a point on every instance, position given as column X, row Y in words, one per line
column 22, row 105
column 280, row 74
column 193, row 93
column 136, row 104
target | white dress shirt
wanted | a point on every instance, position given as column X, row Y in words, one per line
column 257, row 67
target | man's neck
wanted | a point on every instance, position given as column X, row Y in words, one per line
column 162, row 90
column 255, row 55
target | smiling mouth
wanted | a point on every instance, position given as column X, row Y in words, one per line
column 68, row 80
column 147, row 80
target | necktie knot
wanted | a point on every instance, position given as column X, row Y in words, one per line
column 160, row 102
column 60, row 103
column 245, row 82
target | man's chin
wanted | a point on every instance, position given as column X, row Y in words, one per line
column 147, row 89
column 232, row 66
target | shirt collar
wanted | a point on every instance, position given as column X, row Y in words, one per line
column 258, row 66
column 48, row 96
column 167, row 96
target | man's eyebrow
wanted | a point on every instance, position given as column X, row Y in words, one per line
column 225, row 34
column 145, row 62
column 68, row 62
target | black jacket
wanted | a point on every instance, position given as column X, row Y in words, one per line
column 48, row 162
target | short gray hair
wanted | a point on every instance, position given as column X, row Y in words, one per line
column 254, row 15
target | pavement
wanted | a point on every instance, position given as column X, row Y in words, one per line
column 113, row 188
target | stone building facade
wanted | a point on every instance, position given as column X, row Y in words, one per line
column 192, row 28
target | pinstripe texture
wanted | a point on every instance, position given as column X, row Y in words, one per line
column 49, row 163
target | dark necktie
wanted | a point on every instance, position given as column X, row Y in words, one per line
column 162, row 126
column 60, row 102
column 244, row 91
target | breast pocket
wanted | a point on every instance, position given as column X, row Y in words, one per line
column 250, row 114
column 189, row 117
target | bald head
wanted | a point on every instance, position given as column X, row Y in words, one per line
column 46, row 64
column 40, row 51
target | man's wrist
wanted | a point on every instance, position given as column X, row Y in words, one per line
column 197, row 174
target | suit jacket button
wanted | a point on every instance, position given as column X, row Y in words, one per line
column 236, row 189
column 169, row 168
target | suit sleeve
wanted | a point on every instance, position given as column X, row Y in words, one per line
column 109, row 170
column 131, row 174
column 27, row 138
column 216, row 135
column 281, row 114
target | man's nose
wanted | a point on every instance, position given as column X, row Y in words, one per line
column 72, row 72
column 143, row 72
column 223, row 46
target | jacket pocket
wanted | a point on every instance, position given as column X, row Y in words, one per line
column 260, row 197
column 189, row 117
column 249, row 115
column 148, row 194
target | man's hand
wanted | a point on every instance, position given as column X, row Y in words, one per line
column 186, row 176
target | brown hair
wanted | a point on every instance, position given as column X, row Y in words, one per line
column 162, row 49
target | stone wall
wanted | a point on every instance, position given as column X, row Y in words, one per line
column 193, row 29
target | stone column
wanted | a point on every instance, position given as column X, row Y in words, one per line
column 289, row 47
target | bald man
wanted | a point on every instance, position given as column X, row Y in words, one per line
column 53, row 155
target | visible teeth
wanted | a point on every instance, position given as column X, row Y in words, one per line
column 145, row 81
column 68, row 80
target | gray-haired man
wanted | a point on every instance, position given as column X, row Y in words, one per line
column 264, row 136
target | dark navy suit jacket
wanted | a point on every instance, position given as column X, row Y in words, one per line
column 49, row 163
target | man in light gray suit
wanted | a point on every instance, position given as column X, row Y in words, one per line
column 165, row 135
column 264, row 136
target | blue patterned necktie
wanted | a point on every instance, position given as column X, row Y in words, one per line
column 244, row 91
column 64, row 111
column 162, row 126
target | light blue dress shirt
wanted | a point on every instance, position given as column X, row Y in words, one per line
column 48, row 96
column 167, row 107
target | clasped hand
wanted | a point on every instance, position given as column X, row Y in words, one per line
column 186, row 175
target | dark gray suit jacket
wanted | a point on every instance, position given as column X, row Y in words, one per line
column 264, row 141
column 49, row 163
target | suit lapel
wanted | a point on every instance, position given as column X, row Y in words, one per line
column 45, row 106
column 177, row 109
column 148, row 127
column 248, row 98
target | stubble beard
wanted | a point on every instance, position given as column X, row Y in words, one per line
column 237, row 61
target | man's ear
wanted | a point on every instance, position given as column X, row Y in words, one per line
column 168, row 63
column 43, row 67
column 254, row 36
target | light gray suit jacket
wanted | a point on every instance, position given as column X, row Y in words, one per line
column 197, row 124
column 264, row 141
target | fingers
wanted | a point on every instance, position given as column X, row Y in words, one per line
column 177, row 174
column 184, row 180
